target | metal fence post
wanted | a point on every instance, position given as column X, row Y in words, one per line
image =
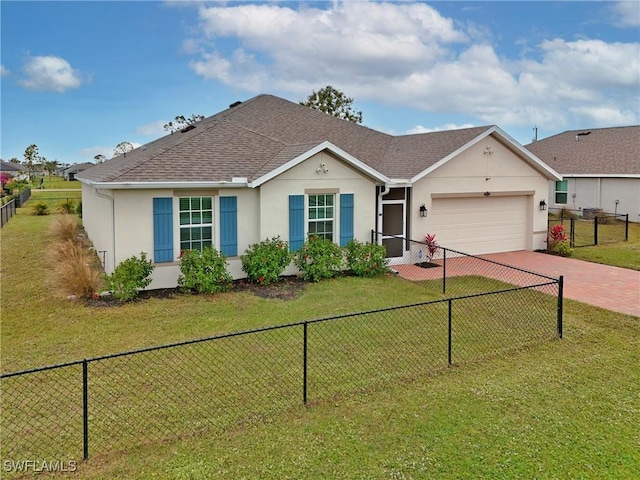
column 560, row 295
column 626, row 227
column 595, row 230
column 449, row 333
column 85, row 408
column 304, row 364
column 444, row 271
column 572, row 232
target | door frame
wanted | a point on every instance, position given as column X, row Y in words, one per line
column 403, row 202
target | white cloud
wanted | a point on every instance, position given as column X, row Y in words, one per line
column 3, row 71
column 50, row 73
column 90, row 152
column 408, row 54
column 348, row 39
column 447, row 126
column 626, row 13
column 154, row 129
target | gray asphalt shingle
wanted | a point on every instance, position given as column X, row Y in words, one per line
column 265, row 132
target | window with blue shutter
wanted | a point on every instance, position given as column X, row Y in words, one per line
column 346, row 218
column 163, row 230
column 296, row 222
column 229, row 226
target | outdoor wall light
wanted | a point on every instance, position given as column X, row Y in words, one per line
column 423, row 210
column 543, row 205
column 486, row 194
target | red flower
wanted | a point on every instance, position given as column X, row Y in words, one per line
column 261, row 279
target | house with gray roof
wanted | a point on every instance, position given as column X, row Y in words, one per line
column 267, row 167
column 600, row 169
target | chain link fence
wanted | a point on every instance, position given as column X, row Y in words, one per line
column 586, row 229
column 117, row 402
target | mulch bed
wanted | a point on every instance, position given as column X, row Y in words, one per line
column 427, row 265
column 287, row 288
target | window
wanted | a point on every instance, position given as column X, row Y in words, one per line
column 196, row 223
column 321, row 216
column 561, row 192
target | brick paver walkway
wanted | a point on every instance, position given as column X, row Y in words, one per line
column 613, row 288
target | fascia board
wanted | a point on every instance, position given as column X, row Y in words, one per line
column 596, row 175
column 161, row 185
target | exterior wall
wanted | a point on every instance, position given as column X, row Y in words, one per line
column 274, row 195
column 474, row 172
column 97, row 220
column 601, row 193
column 134, row 228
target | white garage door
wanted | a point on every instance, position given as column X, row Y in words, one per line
column 481, row 224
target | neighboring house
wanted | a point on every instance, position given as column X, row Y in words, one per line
column 268, row 167
column 16, row 170
column 72, row 171
column 600, row 168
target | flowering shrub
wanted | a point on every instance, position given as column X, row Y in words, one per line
column 365, row 259
column 204, row 271
column 5, row 178
column 319, row 258
column 557, row 241
column 264, row 262
column 432, row 245
column 129, row 276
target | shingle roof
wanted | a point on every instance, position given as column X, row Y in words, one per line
column 598, row 151
column 11, row 167
column 263, row 133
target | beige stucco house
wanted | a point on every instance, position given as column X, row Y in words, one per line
column 268, row 167
column 600, row 169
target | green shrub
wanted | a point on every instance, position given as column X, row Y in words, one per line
column 40, row 208
column 129, row 276
column 67, row 207
column 79, row 209
column 563, row 248
column 204, row 271
column 264, row 262
column 366, row 259
column 318, row 259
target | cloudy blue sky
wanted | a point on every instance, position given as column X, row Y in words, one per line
column 79, row 77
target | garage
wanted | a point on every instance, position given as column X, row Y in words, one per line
column 481, row 224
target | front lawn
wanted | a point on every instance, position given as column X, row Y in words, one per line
column 547, row 410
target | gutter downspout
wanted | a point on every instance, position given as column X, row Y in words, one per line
column 113, row 224
column 386, row 190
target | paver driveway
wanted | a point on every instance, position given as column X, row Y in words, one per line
column 613, row 288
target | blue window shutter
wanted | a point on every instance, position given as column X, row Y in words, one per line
column 346, row 218
column 163, row 229
column 229, row 226
column 296, row 222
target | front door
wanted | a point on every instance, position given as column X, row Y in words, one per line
column 393, row 223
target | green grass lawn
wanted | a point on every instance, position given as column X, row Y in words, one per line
column 555, row 409
column 611, row 249
column 55, row 182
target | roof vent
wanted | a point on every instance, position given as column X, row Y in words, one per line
column 187, row 128
column 235, row 104
column 581, row 134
